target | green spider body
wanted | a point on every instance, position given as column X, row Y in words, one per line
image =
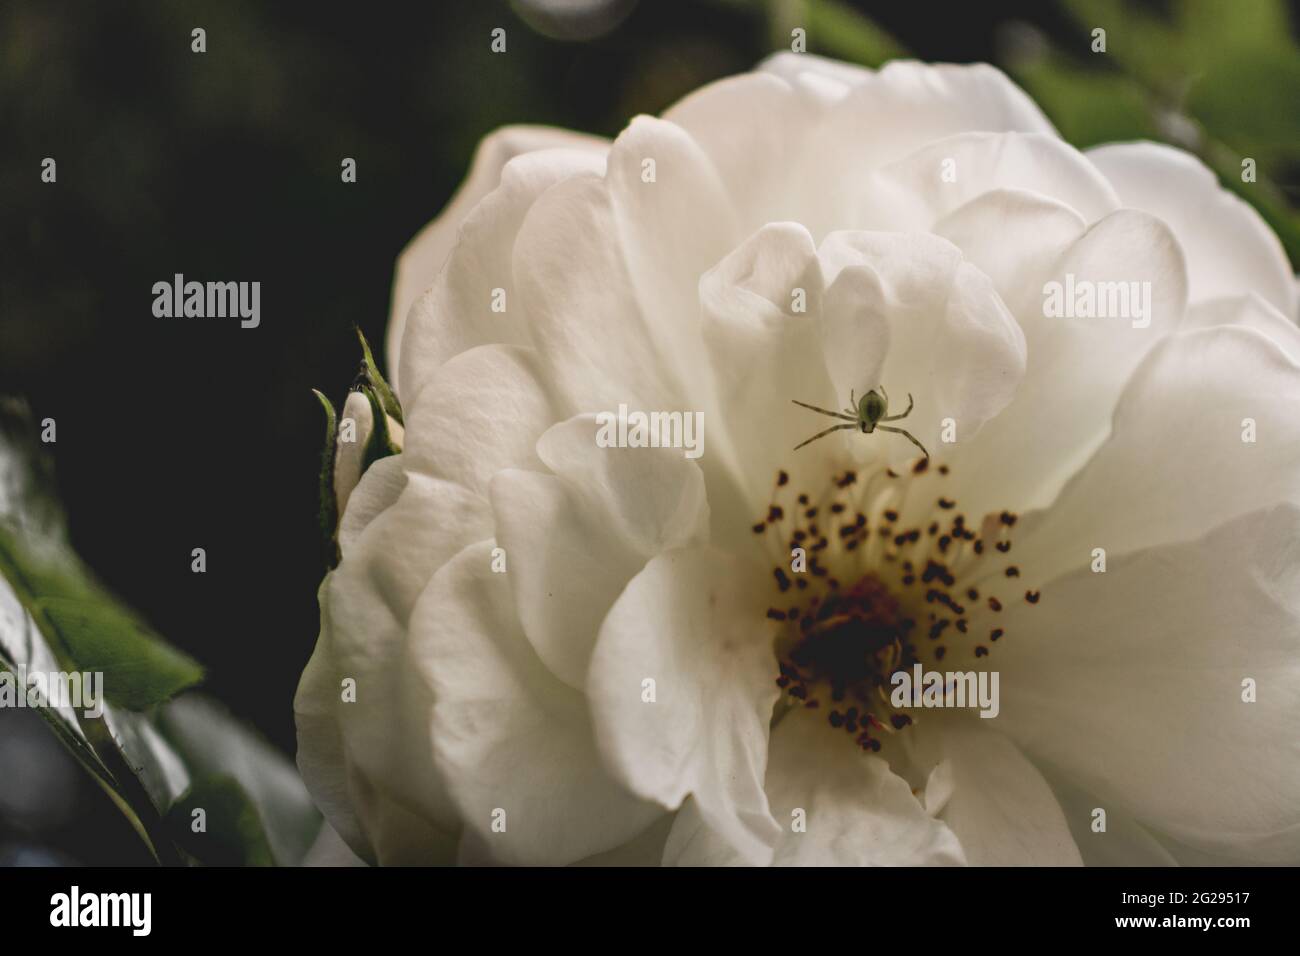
column 866, row 415
column 871, row 408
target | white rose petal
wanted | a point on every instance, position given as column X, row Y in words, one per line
column 1230, row 249
column 424, row 256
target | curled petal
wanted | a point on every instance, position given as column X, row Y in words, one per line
column 836, row 807
column 514, row 743
column 682, row 685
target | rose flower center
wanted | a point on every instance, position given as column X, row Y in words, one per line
column 874, row 582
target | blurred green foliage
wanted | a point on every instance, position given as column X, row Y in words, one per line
column 840, row 31
column 1219, row 79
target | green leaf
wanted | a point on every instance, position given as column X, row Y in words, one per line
column 139, row 670
column 40, row 576
column 1214, row 29
column 213, row 743
column 1249, row 101
column 153, row 759
column 145, row 753
column 1088, row 106
column 86, row 629
column 838, row 30
column 231, row 833
column 1140, row 42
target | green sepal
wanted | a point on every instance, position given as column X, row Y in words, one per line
column 370, row 375
column 328, row 519
column 381, row 443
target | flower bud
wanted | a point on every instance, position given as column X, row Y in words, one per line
column 354, row 430
column 370, row 428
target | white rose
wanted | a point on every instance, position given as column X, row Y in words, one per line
column 919, row 215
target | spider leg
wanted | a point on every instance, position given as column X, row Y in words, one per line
column 833, row 428
column 885, row 395
column 824, row 411
column 894, row 418
column 906, row 434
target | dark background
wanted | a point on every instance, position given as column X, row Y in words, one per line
column 183, row 433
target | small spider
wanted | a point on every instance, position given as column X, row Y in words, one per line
column 866, row 416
